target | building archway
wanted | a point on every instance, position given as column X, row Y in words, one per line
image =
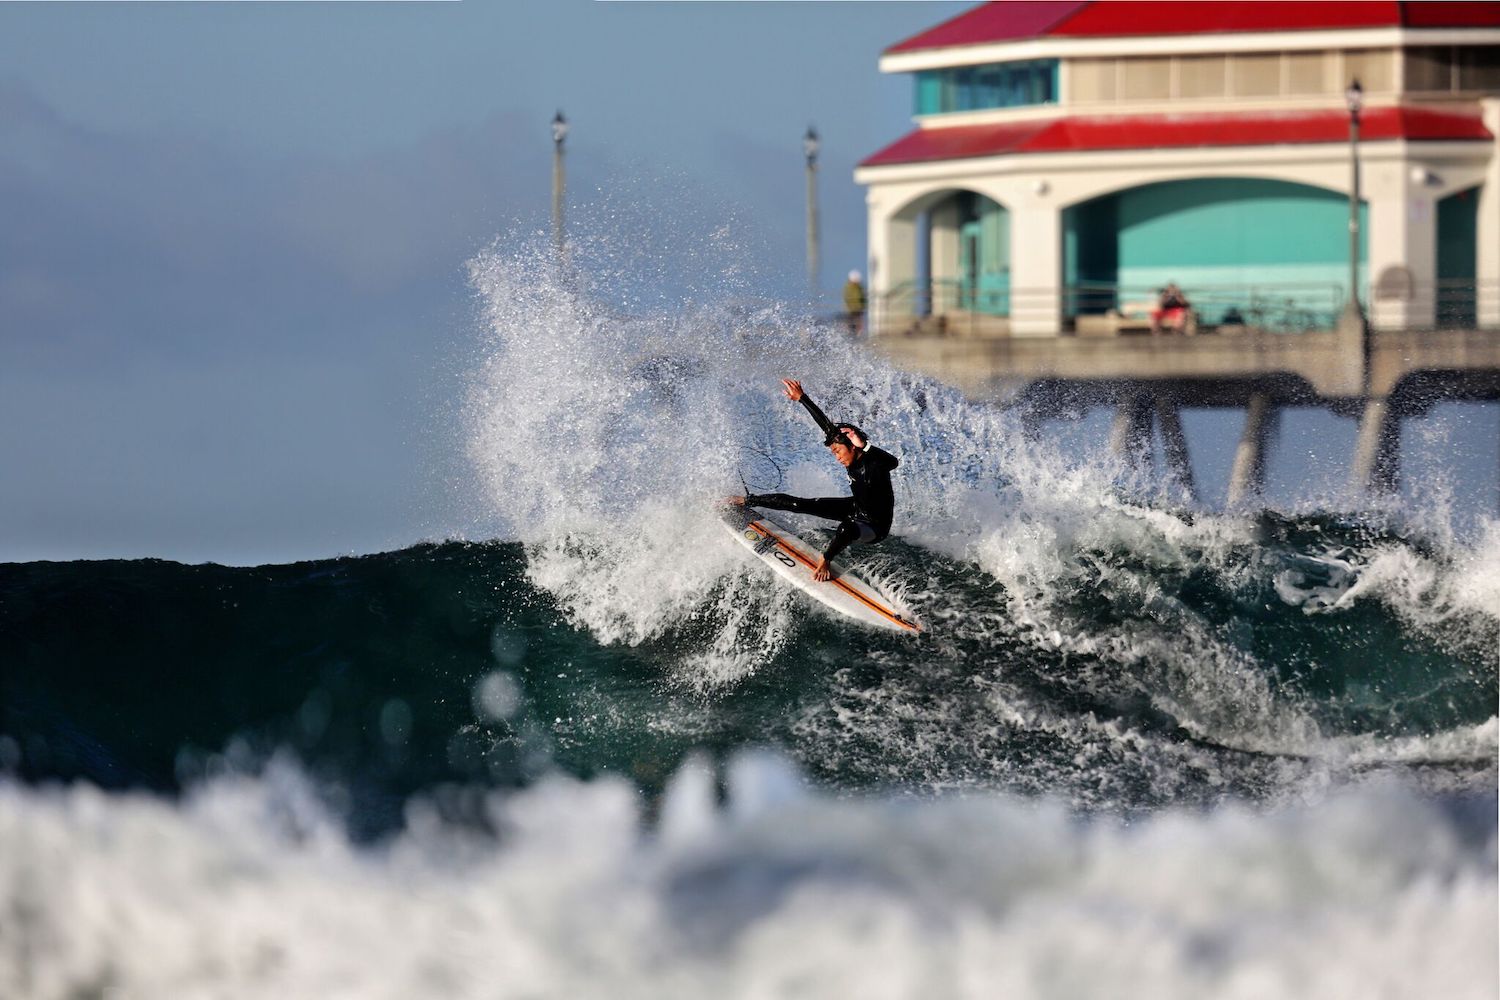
column 949, row 258
column 1268, row 252
column 969, row 254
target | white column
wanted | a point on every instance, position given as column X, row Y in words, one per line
column 1403, row 236
column 893, row 262
column 1036, row 271
column 1487, row 259
column 944, row 236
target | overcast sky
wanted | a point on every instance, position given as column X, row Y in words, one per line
column 233, row 236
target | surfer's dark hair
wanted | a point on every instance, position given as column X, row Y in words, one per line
column 837, row 435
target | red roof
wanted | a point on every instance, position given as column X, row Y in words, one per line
column 1013, row 20
column 1083, row 134
column 993, row 22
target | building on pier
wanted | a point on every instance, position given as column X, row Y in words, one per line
column 1069, row 158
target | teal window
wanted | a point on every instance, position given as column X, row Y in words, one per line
column 978, row 88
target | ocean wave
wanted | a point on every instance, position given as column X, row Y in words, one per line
column 1027, row 557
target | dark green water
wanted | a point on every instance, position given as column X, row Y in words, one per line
column 1176, row 685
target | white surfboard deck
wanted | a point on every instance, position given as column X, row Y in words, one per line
column 847, row 593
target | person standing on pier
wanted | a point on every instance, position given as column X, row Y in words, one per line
column 854, row 304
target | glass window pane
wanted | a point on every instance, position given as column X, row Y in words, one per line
column 929, row 93
column 976, row 88
column 1479, row 67
column 1427, row 69
column 1041, row 87
column 988, row 87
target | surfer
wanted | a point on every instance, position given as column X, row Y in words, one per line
column 865, row 516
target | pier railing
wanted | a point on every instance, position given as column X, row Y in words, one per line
column 953, row 308
column 947, row 307
column 1286, row 307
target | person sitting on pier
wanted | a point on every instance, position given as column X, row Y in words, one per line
column 863, row 518
column 1173, row 308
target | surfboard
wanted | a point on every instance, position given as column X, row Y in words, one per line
column 794, row 560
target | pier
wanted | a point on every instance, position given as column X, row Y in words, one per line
column 1324, row 207
column 1379, row 377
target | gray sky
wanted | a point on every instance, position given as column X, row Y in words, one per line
column 232, row 303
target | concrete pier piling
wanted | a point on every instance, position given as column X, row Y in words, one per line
column 1247, row 477
column 1130, row 437
column 1174, row 446
column 1376, row 466
column 1130, row 434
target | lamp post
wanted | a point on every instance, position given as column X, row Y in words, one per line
column 559, row 133
column 1354, row 98
column 810, row 147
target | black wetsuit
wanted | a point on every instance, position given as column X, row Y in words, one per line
column 865, row 516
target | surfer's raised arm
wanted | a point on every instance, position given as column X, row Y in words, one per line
column 793, row 390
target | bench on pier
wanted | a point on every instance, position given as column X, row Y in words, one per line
column 1131, row 317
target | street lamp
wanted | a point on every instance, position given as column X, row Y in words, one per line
column 810, row 145
column 1354, row 98
column 559, row 133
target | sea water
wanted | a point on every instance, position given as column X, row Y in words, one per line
column 1145, row 749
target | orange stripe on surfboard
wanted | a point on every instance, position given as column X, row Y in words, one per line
column 792, row 551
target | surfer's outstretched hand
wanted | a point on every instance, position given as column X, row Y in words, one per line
column 824, row 572
column 792, row 388
column 735, row 501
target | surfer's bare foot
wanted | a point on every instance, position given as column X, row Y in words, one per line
column 824, row 572
column 735, row 501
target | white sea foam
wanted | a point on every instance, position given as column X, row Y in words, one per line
column 247, row 889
